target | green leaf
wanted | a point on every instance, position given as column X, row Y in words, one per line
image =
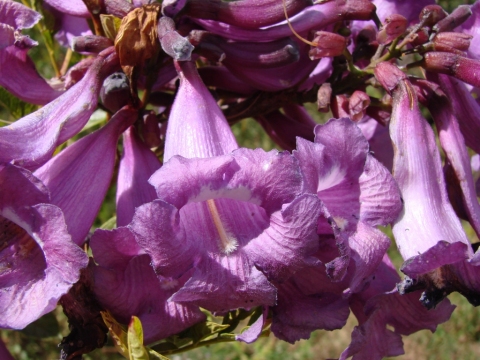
column 117, row 332
column 109, row 224
column 204, row 330
column 110, row 25
column 136, row 350
column 16, row 107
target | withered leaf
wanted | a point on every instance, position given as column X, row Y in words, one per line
column 137, row 39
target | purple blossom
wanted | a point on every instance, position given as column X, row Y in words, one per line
column 39, row 262
column 240, row 217
column 428, row 233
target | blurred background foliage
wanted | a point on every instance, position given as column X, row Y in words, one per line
column 459, row 338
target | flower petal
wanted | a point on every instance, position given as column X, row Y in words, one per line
column 31, row 141
column 136, row 166
column 19, row 76
column 126, row 285
column 196, row 126
column 79, row 176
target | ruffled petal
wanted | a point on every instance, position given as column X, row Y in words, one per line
column 71, row 7
column 312, row 289
column 38, row 261
column 17, row 15
column 126, row 285
column 223, row 283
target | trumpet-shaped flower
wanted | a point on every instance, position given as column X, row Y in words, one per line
column 232, row 220
column 428, row 233
column 39, row 262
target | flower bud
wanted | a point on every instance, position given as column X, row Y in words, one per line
column 431, row 14
column 255, row 55
column 340, row 106
column 115, row 92
column 328, row 45
column 456, row 18
column 357, row 105
column 91, row 44
column 422, row 37
column 447, row 40
column 323, row 97
column 393, row 27
column 388, row 75
column 467, row 70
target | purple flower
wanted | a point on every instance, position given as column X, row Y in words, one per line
column 39, row 262
column 357, row 194
column 351, row 184
column 428, row 233
column 232, row 221
column 380, row 306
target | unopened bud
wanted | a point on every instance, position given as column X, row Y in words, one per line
column 465, row 69
column 328, row 45
column 431, row 14
column 388, row 75
column 172, row 42
column 393, row 27
column 340, row 106
column 357, row 105
column 422, row 37
column 456, row 18
column 115, row 92
column 90, row 44
column 176, row 46
column 448, row 40
column 323, row 97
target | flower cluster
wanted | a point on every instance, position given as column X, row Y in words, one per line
column 287, row 239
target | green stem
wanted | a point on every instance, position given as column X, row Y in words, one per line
column 47, row 40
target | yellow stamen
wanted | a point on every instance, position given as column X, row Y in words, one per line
column 293, row 30
column 227, row 243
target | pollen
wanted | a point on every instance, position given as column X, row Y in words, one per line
column 227, row 242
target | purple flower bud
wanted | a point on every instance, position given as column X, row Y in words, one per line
column 91, row 43
column 432, row 14
column 175, row 45
column 388, row 75
column 393, row 27
column 328, row 45
column 340, row 106
column 467, row 70
column 115, row 92
column 256, row 55
column 357, row 105
column 449, row 40
column 456, row 18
